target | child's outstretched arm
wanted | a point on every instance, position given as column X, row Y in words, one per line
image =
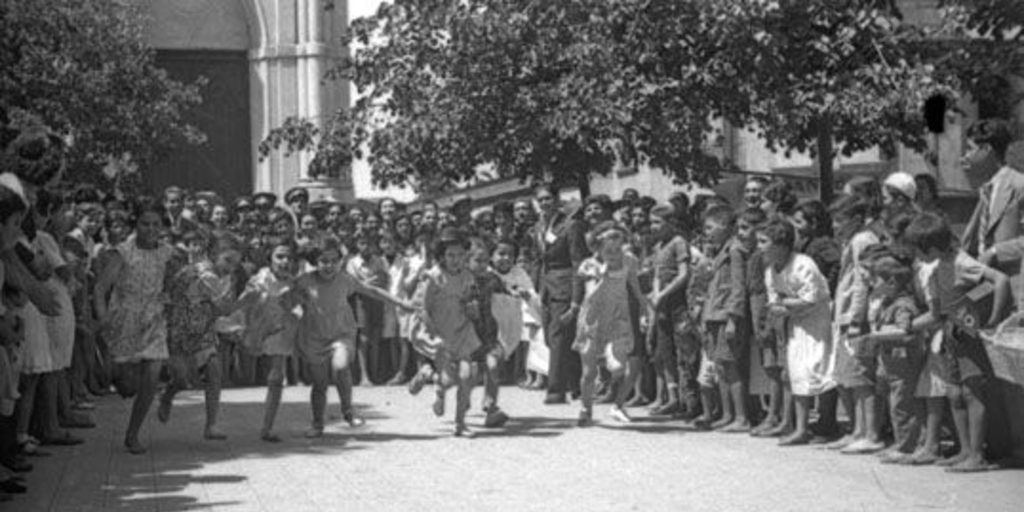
column 378, row 293
column 1001, row 296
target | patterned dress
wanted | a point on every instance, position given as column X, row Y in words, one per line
column 195, row 291
column 138, row 324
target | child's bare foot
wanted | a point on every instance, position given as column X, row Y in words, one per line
column 843, row 442
column 780, row 430
column 314, row 433
column 722, row 422
column 353, row 420
column 619, row 414
column 952, row 461
column 212, row 433
column 585, row 419
column 862, row 447
column 768, row 424
column 269, row 437
column 974, row 464
column 797, row 438
column 418, row 381
column 921, row 458
column 737, row 427
column 703, row 423
column 496, row 418
column 134, row 447
column 439, row 404
column 163, row 411
column 461, row 430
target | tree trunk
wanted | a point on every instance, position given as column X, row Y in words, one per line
column 583, row 184
column 826, row 172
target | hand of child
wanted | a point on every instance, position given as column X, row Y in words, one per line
column 730, row 330
column 778, row 310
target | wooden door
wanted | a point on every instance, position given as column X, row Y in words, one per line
column 224, row 163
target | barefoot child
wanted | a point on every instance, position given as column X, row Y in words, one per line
column 606, row 328
column 955, row 360
column 447, row 294
column 271, row 324
column 725, row 317
column 900, row 350
column 491, row 353
column 199, row 293
column 133, row 319
column 799, row 292
column 328, row 329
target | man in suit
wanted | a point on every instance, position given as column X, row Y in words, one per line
column 1007, row 255
column 563, row 246
column 998, row 218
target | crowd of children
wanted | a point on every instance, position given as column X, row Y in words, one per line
column 678, row 304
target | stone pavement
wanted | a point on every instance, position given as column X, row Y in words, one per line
column 406, row 459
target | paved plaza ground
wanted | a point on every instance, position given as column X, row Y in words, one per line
column 406, row 459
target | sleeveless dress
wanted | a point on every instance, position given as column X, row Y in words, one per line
column 445, row 300
column 327, row 320
column 605, row 325
column 138, row 324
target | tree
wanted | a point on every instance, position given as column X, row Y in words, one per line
column 84, row 70
column 538, row 90
column 827, row 77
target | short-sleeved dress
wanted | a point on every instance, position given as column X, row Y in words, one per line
column 810, row 352
column 605, row 326
column 138, row 321
column 327, row 319
column 270, row 327
column 445, row 297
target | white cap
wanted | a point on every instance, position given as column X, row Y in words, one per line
column 902, row 182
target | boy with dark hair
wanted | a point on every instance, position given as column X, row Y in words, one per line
column 671, row 261
column 956, row 359
column 725, row 318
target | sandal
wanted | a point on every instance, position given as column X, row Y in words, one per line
column 972, row 466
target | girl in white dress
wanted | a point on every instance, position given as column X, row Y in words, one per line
column 799, row 292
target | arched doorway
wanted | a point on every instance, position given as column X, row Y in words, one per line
column 208, row 39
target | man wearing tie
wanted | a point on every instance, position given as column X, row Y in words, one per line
column 997, row 226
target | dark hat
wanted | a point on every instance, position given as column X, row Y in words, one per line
column 451, row 235
column 320, row 207
column 267, row 196
column 295, row 193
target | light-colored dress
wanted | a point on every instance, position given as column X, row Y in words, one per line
column 327, row 318
column 605, row 325
column 810, row 352
column 60, row 329
column 444, row 302
column 35, row 355
column 138, row 323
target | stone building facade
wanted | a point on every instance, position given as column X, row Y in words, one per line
column 264, row 61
